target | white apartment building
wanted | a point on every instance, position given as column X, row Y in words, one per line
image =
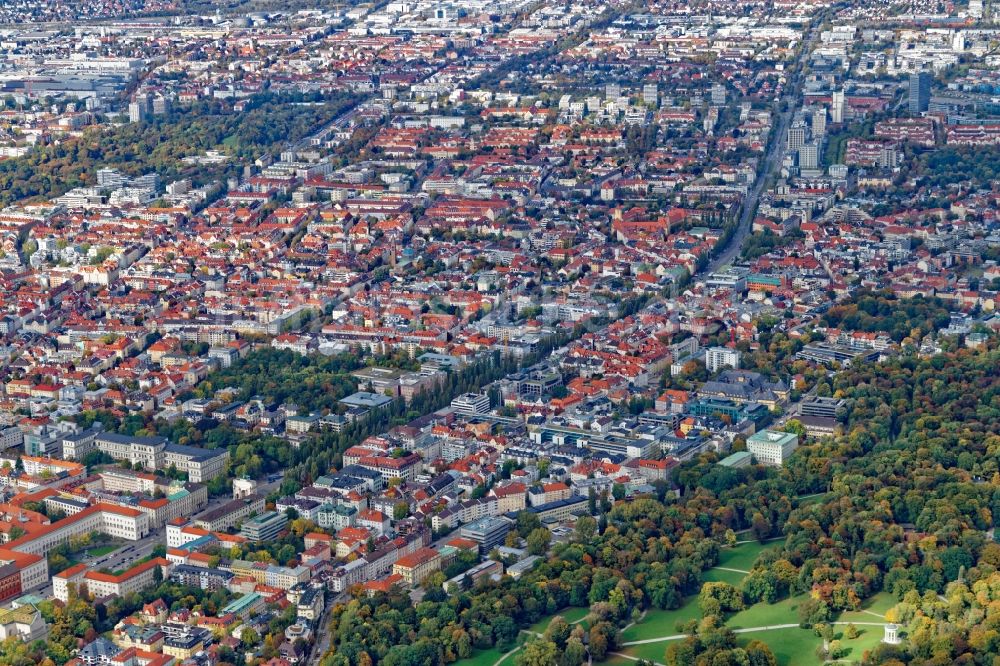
column 10, row 437
column 471, row 404
column 770, row 447
column 717, row 358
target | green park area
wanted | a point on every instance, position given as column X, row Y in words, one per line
column 486, row 657
column 872, row 610
column 743, row 555
column 101, row 551
column 775, row 624
column 811, row 499
column 571, row 615
column 496, row 656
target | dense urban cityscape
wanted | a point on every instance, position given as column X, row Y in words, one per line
column 513, row 333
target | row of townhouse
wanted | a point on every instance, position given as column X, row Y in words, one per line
column 378, row 563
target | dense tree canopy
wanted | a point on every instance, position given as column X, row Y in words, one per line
column 884, row 313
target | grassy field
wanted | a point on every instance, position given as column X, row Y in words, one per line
column 791, row 647
column 872, row 610
column 101, row 550
column 720, row 576
column 615, row 660
column 493, row 655
column 571, row 615
column 813, row 499
column 798, row 646
column 481, row 658
column 868, row 639
column 509, row 659
column 651, row 651
column 744, row 555
column 762, row 615
column 662, row 622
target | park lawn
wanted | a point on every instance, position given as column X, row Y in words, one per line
column 615, row 660
column 651, row 651
column 493, row 655
column 878, row 604
column 744, row 555
column 762, row 615
column 509, row 659
column 791, row 647
column 571, row 615
column 868, row 639
column 658, row 622
column 101, row 550
column 815, row 499
column 787, row 641
column 719, row 576
column 795, row 646
column 481, row 658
